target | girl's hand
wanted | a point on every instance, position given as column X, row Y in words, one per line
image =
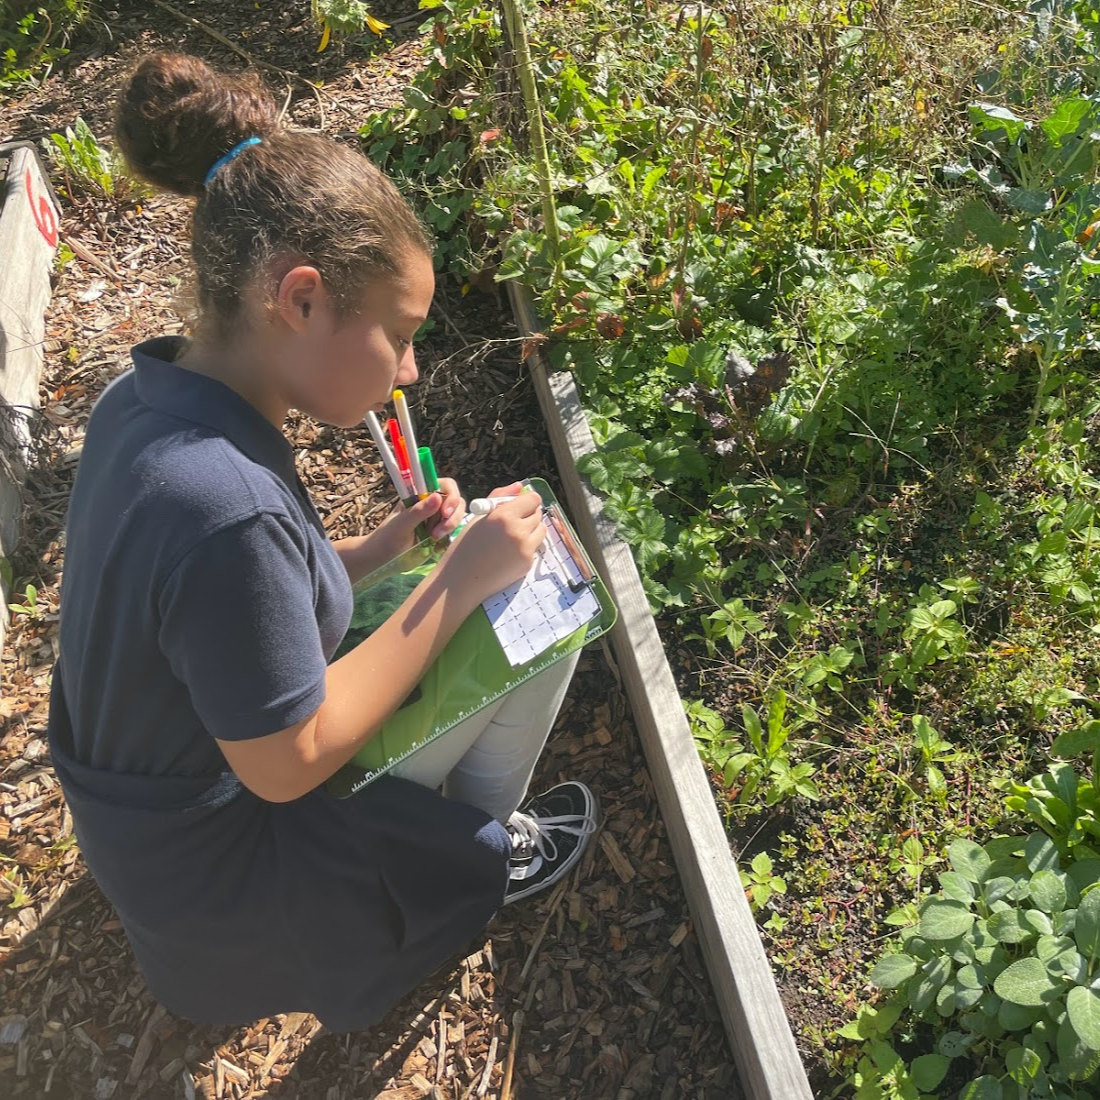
column 397, row 532
column 508, row 490
column 451, row 511
column 439, row 513
column 497, row 549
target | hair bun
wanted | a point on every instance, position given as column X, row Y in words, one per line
column 176, row 116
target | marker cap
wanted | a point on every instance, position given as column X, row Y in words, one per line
column 427, row 465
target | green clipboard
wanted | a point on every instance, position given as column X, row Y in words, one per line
column 472, row 671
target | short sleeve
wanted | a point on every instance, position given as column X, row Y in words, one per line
column 238, row 628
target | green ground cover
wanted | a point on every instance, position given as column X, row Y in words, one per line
column 33, row 35
column 826, row 275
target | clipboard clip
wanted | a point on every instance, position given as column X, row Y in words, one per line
column 576, row 553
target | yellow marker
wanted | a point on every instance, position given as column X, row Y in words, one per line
column 405, row 420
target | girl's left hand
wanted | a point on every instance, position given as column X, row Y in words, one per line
column 438, row 514
column 451, row 512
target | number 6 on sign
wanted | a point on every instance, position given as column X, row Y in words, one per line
column 41, row 210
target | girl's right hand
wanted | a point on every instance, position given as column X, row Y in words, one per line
column 496, row 550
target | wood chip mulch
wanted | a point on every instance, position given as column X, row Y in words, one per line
column 596, row 990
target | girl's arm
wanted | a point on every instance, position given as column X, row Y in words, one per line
column 441, row 513
column 367, row 685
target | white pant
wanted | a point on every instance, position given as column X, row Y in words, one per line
column 488, row 760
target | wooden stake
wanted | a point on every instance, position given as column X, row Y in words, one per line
column 555, row 901
column 517, row 32
column 510, row 1061
column 441, row 1041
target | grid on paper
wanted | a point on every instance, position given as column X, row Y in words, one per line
column 529, row 616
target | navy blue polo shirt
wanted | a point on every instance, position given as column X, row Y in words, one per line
column 201, row 599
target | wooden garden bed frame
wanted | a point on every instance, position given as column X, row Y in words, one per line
column 29, row 219
column 755, row 1021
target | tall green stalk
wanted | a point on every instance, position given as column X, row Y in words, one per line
column 517, row 32
column 701, row 17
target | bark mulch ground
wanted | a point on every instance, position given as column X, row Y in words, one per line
column 595, row 991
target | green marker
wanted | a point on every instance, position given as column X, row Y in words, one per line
column 431, row 482
column 427, row 466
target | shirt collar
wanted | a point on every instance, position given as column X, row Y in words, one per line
column 172, row 389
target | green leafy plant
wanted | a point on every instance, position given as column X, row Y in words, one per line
column 13, row 883
column 782, row 319
column 882, row 1074
column 934, row 750
column 1044, row 172
column 731, row 623
column 760, row 882
column 90, row 167
column 34, row 34
column 1063, row 557
column 912, row 859
column 30, row 608
column 825, row 669
column 760, row 769
column 1002, row 964
column 1063, row 803
column 343, row 18
column 1003, row 950
column 934, row 634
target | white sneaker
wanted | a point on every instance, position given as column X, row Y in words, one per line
column 548, row 836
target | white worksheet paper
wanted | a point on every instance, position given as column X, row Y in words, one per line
column 531, row 615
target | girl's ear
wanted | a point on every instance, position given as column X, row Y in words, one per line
column 300, row 292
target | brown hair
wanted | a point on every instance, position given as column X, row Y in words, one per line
column 294, row 197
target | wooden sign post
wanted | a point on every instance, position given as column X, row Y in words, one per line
column 29, row 221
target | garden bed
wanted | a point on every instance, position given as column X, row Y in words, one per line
column 825, row 282
column 598, row 990
column 756, row 1024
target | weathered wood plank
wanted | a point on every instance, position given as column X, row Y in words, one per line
column 28, row 238
column 755, row 1022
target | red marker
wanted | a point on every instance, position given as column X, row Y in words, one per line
column 402, row 455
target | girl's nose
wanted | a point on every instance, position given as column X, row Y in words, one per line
column 407, row 373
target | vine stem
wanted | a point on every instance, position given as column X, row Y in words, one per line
column 517, row 32
column 697, row 125
column 1044, row 371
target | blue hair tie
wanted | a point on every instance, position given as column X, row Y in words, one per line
column 236, row 151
